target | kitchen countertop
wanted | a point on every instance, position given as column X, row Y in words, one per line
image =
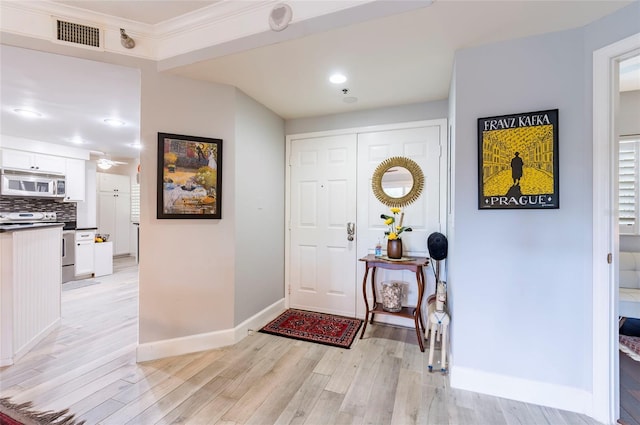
column 26, row 226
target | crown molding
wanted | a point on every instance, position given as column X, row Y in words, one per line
column 216, row 24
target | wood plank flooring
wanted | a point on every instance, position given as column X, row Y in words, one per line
column 88, row 365
column 629, row 390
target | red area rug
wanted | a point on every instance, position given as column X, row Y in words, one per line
column 22, row 414
column 309, row 326
column 630, row 345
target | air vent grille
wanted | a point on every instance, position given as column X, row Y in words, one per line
column 78, row 34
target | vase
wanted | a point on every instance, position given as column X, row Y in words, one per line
column 394, row 248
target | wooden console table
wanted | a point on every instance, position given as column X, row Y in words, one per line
column 414, row 264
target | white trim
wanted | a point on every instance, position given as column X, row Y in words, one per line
column 219, row 24
column 541, row 393
column 35, row 341
column 605, row 403
column 210, row 340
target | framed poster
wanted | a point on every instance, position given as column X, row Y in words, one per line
column 518, row 161
column 189, row 176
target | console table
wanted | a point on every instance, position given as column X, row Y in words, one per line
column 415, row 264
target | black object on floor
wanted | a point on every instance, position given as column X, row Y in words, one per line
column 630, row 327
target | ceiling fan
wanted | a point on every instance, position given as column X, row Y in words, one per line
column 106, row 163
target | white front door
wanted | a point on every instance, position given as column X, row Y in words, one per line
column 426, row 146
column 328, row 177
column 322, row 263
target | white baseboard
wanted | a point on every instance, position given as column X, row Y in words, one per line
column 34, row 341
column 210, row 340
column 534, row 392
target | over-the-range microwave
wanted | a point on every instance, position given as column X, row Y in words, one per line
column 30, row 184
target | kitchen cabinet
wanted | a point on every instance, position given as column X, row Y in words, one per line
column 84, row 261
column 29, row 161
column 86, row 211
column 114, row 183
column 103, row 259
column 30, row 289
column 75, row 179
column 114, row 210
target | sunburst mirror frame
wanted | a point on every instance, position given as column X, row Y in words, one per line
column 397, row 161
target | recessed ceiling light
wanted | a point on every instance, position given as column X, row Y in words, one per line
column 114, row 122
column 27, row 113
column 337, row 78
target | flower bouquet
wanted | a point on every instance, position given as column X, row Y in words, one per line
column 394, row 242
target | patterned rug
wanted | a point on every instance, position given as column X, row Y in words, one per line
column 22, row 414
column 630, row 345
column 309, row 326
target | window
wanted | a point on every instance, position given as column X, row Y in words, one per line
column 628, row 179
column 135, row 203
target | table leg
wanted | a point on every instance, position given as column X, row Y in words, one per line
column 418, row 315
column 373, row 290
column 366, row 302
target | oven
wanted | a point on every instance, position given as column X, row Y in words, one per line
column 68, row 255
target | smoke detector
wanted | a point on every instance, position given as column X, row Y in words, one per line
column 280, row 17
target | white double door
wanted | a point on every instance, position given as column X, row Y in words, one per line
column 330, row 187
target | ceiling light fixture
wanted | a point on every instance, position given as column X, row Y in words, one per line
column 27, row 113
column 104, row 164
column 114, row 122
column 338, row 78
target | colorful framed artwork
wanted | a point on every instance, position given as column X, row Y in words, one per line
column 189, row 177
column 518, row 161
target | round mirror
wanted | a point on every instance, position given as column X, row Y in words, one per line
column 397, row 181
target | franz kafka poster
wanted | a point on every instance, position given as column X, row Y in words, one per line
column 518, row 161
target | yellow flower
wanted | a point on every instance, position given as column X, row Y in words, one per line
column 395, row 210
column 388, row 221
column 398, row 227
column 392, row 236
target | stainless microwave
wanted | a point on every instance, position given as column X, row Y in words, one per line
column 30, row 184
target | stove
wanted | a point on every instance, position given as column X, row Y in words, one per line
column 27, row 217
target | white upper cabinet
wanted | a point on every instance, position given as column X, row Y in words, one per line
column 75, row 178
column 29, row 161
column 114, row 183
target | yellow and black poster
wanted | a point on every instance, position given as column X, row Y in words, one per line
column 518, row 161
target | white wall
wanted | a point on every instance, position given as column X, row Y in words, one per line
column 521, row 279
column 629, row 113
column 186, row 266
column 260, row 227
column 379, row 116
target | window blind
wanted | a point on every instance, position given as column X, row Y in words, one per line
column 135, row 203
column 628, row 178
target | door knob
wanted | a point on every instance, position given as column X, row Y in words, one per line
column 351, row 230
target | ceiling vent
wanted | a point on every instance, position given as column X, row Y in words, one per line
column 78, row 34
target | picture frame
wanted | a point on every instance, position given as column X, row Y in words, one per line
column 518, row 161
column 189, row 177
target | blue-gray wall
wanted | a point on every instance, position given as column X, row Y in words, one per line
column 260, row 188
column 521, row 280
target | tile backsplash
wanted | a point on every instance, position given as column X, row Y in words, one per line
column 65, row 211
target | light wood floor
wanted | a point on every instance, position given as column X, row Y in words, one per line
column 88, row 365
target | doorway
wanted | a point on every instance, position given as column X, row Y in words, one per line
column 606, row 396
column 329, row 186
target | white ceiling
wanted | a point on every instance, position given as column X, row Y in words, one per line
column 390, row 60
